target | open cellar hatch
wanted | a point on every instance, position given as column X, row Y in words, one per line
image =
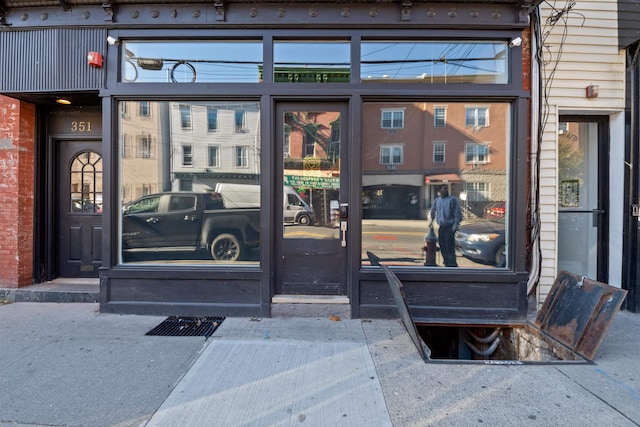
column 569, row 327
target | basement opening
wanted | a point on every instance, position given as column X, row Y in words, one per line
column 500, row 345
column 569, row 327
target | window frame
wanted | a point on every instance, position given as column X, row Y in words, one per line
column 476, row 154
column 476, row 116
column 187, row 158
column 392, row 120
column 443, row 146
column 436, row 119
column 391, row 155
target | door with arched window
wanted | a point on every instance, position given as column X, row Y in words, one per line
column 79, row 230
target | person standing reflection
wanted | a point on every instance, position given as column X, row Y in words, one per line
column 446, row 211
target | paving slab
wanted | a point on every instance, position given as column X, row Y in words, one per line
column 277, row 372
column 69, row 365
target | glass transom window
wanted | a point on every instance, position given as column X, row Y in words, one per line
column 206, row 61
column 434, row 62
column 311, row 61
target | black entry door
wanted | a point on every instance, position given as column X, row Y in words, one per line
column 79, row 209
column 311, row 234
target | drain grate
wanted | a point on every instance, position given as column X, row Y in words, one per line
column 175, row 326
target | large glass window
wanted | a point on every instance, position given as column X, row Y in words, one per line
column 184, row 198
column 434, row 62
column 403, row 177
column 205, row 61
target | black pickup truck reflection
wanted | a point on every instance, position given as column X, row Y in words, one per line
column 190, row 221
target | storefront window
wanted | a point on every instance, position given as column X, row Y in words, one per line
column 191, row 61
column 434, row 62
column 190, row 194
column 311, row 62
column 406, row 163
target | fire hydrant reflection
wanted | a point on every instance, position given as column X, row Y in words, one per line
column 430, row 248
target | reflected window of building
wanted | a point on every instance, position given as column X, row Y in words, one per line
column 286, row 144
column 187, row 155
column 143, row 109
column 440, row 117
column 476, row 153
column 391, row 155
column 477, row 117
column 240, row 125
column 392, row 119
column 181, row 172
column 404, row 172
column 213, row 156
column 212, row 119
column 477, row 191
column 439, row 152
column 434, row 62
column 144, row 149
column 242, row 154
column 185, row 116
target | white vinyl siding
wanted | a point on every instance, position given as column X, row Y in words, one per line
column 589, row 56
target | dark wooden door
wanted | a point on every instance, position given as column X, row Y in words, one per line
column 79, row 209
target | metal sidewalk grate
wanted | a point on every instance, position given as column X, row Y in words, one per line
column 175, row 326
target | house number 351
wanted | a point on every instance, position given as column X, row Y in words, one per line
column 80, row 126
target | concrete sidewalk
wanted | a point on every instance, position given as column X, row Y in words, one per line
column 69, row 365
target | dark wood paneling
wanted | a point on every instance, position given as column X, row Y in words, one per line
column 488, row 302
column 181, row 293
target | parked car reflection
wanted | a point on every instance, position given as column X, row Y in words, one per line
column 495, row 210
column 483, row 242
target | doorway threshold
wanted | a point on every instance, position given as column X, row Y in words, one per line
column 309, row 299
column 335, row 307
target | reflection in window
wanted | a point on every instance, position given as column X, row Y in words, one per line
column 390, row 154
column 187, row 155
column 440, row 117
column 476, row 153
column 402, row 173
column 434, row 62
column 311, row 62
column 144, row 146
column 239, row 121
column 212, row 119
column 206, row 61
column 392, row 119
column 185, row 116
column 438, row 152
column 198, row 161
column 242, row 157
column 214, row 156
column 476, row 116
column 477, row 191
column 86, row 183
column 144, row 109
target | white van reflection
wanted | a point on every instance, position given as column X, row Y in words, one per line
column 295, row 209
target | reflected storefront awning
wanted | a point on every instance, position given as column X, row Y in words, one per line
column 442, row 178
column 314, row 182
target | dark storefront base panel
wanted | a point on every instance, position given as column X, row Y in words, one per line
column 494, row 299
column 181, row 293
column 498, row 301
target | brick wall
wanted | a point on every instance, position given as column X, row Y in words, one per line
column 17, row 134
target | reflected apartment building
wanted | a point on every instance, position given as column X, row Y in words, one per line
column 411, row 149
